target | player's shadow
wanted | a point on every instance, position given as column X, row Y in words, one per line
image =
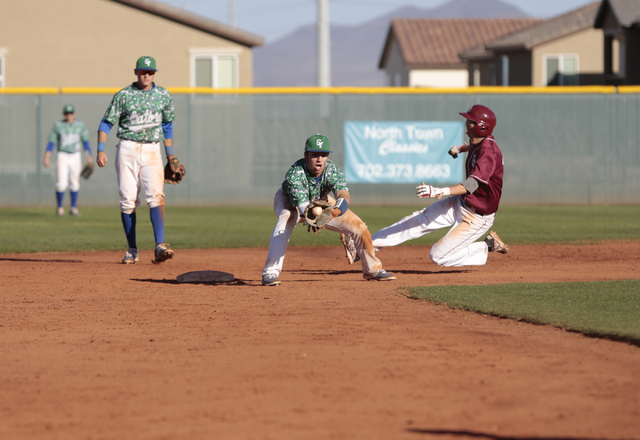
column 234, row 282
column 324, row 272
column 356, row 271
column 428, row 272
column 477, row 434
column 36, row 260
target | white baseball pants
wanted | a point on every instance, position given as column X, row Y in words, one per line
column 68, row 167
column 288, row 217
column 458, row 247
column 139, row 162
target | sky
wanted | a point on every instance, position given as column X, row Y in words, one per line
column 273, row 19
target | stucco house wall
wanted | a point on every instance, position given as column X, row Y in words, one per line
column 95, row 43
column 588, row 44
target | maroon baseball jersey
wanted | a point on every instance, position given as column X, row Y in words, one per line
column 486, row 165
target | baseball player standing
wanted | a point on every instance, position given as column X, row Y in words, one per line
column 145, row 114
column 313, row 178
column 69, row 135
column 472, row 208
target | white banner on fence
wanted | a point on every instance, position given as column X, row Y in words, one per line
column 402, row 152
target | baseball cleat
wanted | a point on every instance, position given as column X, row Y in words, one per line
column 131, row 257
column 349, row 248
column 74, row 211
column 379, row 275
column 60, row 211
column 495, row 244
column 162, row 253
column 270, row 280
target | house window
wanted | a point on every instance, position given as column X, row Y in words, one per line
column 618, row 61
column 476, row 75
column 561, row 70
column 215, row 71
column 505, row 70
column 2, row 70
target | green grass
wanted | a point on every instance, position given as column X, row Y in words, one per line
column 608, row 309
column 39, row 230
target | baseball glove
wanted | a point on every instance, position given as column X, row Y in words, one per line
column 87, row 170
column 174, row 171
column 317, row 221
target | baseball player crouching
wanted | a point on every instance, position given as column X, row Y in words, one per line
column 145, row 114
column 308, row 183
column 472, row 208
column 69, row 135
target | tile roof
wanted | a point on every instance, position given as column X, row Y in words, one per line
column 437, row 42
column 195, row 21
column 627, row 12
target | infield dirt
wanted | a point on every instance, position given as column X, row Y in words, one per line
column 93, row 349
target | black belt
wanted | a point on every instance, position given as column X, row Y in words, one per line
column 472, row 209
column 140, row 142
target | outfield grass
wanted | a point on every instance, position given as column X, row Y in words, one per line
column 40, row 230
column 609, row 309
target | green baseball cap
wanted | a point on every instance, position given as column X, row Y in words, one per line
column 68, row 109
column 317, row 144
column 146, row 63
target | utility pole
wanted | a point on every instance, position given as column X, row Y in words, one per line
column 324, row 45
column 232, row 13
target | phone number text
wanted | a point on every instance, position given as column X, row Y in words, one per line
column 403, row 170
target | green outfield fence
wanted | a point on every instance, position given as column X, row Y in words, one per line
column 561, row 145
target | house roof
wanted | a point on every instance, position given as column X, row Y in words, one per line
column 551, row 29
column 627, row 12
column 436, row 42
column 195, row 21
column 540, row 33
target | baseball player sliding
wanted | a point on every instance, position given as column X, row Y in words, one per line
column 145, row 114
column 306, row 188
column 69, row 135
column 472, row 208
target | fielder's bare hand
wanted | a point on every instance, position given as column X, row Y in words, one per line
column 47, row 159
column 102, row 159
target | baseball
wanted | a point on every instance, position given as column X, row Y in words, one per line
column 317, row 211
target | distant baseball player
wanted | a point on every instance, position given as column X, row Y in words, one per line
column 471, row 209
column 69, row 135
column 145, row 114
column 304, row 198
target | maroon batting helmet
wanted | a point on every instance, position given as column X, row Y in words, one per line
column 484, row 118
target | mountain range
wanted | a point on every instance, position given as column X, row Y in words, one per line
column 355, row 50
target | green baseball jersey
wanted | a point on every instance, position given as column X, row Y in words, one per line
column 141, row 114
column 301, row 187
column 69, row 137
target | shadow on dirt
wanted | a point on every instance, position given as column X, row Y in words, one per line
column 235, row 282
column 356, row 271
column 476, row 434
column 41, row 261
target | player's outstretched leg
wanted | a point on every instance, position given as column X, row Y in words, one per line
column 287, row 219
column 350, row 225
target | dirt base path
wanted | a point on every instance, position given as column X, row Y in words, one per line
column 93, row 349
